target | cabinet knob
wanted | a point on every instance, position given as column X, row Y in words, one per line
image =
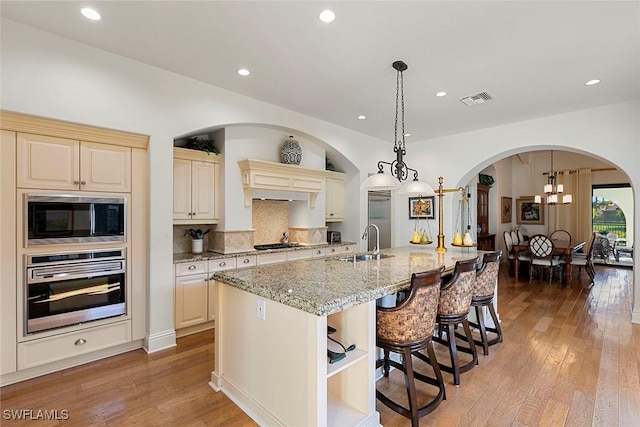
column 332, row 250
column 80, row 341
column 246, row 261
column 318, row 251
column 83, row 182
column 222, row 264
column 192, row 267
column 76, row 182
column 331, row 214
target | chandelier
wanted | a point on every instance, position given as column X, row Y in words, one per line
column 553, row 190
column 399, row 170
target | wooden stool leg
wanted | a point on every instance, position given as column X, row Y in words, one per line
column 411, row 388
column 436, row 369
column 483, row 330
column 385, row 363
column 494, row 317
column 453, row 352
column 472, row 345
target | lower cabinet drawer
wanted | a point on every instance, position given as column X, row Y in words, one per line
column 246, row 261
column 272, row 258
column 339, row 250
column 51, row 349
column 222, row 264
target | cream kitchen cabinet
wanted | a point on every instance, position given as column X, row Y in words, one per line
column 52, row 163
column 195, row 176
column 191, row 294
column 195, row 293
column 334, row 197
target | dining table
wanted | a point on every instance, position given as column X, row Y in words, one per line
column 560, row 247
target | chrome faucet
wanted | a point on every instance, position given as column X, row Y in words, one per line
column 365, row 235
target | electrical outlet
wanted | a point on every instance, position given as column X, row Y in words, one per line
column 261, row 309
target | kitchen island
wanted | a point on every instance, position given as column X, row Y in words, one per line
column 271, row 329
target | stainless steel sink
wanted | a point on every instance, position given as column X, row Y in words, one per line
column 363, row 257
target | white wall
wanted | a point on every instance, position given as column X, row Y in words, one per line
column 48, row 76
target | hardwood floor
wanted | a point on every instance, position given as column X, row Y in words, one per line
column 570, row 357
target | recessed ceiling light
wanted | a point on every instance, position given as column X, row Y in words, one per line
column 362, row 117
column 441, row 94
column 592, row 82
column 327, row 16
column 243, row 72
column 90, row 14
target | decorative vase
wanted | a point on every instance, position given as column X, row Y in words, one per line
column 457, row 239
column 291, row 153
column 196, row 246
column 467, row 240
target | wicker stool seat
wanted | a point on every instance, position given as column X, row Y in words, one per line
column 453, row 309
column 407, row 329
column 486, row 279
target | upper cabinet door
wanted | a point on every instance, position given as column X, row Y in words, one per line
column 105, row 167
column 203, row 191
column 334, row 200
column 181, row 189
column 52, row 163
column 48, row 162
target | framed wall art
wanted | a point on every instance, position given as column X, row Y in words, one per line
column 506, row 209
column 529, row 212
column 422, row 207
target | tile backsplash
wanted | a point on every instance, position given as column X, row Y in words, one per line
column 270, row 218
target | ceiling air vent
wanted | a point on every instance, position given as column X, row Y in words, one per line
column 475, row 99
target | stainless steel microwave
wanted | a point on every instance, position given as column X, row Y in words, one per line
column 55, row 219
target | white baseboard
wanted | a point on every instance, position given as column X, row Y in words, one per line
column 635, row 316
column 249, row 406
column 160, row 341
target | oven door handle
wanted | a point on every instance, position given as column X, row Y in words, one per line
column 69, row 272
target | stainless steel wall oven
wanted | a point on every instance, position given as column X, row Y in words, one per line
column 69, row 288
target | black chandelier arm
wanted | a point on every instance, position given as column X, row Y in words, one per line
column 381, row 167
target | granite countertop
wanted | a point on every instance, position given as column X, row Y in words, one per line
column 189, row 257
column 328, row 285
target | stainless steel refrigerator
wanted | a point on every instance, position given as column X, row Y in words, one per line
column 379, row 203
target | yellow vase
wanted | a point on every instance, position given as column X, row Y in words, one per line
column 457, row 239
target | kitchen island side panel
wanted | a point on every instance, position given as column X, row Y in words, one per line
column 271, row 368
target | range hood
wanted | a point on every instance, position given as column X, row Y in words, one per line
column 263, row 175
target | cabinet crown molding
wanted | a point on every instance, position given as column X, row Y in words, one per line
column 264, row 175
column 19, row 122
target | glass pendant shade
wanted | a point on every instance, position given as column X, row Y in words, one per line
column 553, row 198
column 537, row 199
column 559, row 188
column 417, row 187
column 380, row 181
column 548, row 188
column 567, row 198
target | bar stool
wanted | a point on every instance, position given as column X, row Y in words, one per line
column 406, row 329
column 486, row 278
column 453, row 309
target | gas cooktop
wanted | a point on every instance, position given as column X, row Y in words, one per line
column 273, row 246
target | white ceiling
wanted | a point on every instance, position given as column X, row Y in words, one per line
column 532, row 56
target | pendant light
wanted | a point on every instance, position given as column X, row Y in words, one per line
column 399, row 170
column 553, row 190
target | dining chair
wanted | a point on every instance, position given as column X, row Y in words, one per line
column 508, row 247
column 515, row 238
column 561, row 235
column 541, row 253
column 521, row 238
column 584, row 260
